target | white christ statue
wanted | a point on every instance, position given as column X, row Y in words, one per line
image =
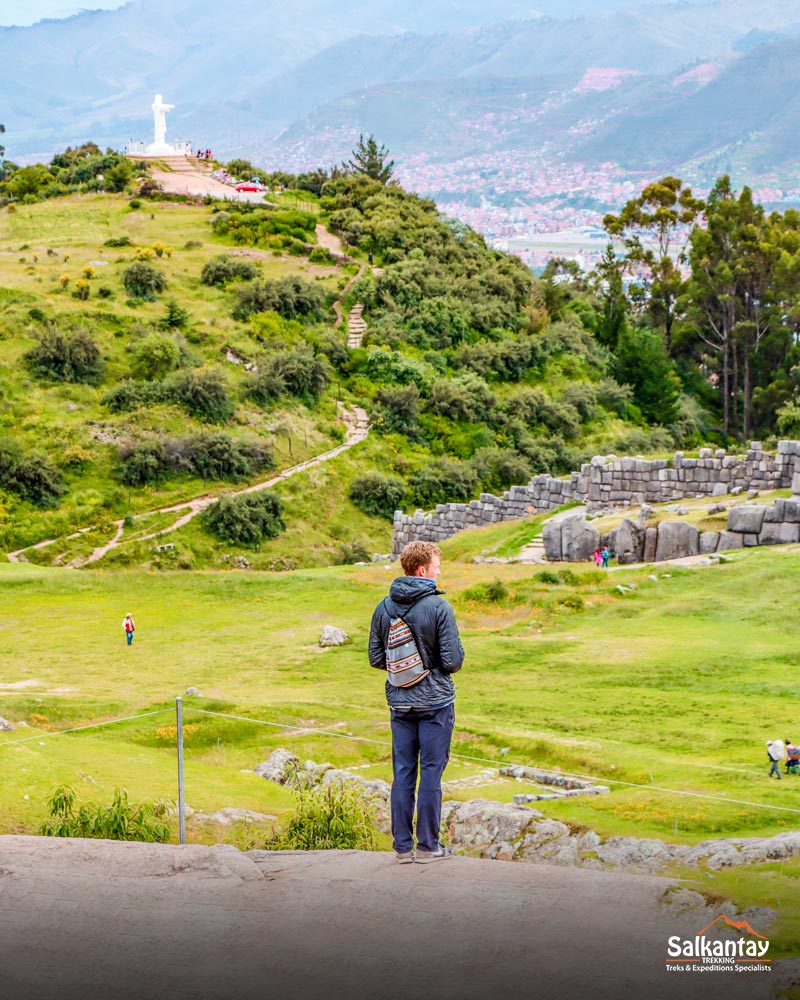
column 160, row 120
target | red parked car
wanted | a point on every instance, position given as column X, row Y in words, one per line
column 253, row 185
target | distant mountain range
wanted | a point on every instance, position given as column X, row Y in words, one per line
column 654, row 86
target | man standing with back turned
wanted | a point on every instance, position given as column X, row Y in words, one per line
column 422, row 707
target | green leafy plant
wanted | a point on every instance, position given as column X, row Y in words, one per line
column 122, row 820
column 327, row 818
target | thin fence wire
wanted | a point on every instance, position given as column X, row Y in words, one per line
column 91, row 725
column 385, row 743
column 507, row 763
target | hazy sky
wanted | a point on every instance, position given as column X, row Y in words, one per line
column 24, row 12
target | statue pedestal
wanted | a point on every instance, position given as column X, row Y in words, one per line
column 162, row 149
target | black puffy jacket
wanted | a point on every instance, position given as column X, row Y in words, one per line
column 431, row 619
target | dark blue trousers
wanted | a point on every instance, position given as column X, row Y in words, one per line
column 420, row 747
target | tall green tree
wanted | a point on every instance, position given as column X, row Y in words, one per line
column 372, row 160
column 711, row 290
column 655, row 229
column 609, row 286
column 643, row 363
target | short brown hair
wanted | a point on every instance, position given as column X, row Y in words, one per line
column 417, row 554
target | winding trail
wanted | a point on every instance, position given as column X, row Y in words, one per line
column 356, row 422
column 337, row 305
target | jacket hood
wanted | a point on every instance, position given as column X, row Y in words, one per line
column 407, row 590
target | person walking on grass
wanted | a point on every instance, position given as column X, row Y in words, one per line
column 414, row 637
column 130, row 628
column 775, row 754
column 604, row 556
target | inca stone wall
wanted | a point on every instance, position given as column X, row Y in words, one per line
column 610, row 481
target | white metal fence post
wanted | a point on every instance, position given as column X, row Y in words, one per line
column 181, row 801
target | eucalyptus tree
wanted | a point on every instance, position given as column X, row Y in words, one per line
column 654, row 229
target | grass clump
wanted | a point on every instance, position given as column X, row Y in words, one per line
column 122, row 820
column 493, row 592
column 327, row 818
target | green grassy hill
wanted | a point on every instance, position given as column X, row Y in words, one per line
column 122, row 321
column 666, row 693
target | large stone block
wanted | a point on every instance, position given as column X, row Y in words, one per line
column 628, row 542
column 779, row 534
column 730, row 540
column 676, row 539
column 578, row 539
column 709, row 540
column 747, row 518
column 650, row 542
column 551, row 539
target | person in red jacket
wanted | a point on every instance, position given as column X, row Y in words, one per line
column 127, row 624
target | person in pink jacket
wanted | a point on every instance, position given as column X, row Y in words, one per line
column 127, row 624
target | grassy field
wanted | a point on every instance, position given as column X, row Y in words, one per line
column 667, row 693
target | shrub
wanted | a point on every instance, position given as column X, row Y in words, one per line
column 130, row 395
column 466, row 398
column 291, row 297
column 118, row 241
column 443, row 481
column 224, row 268
column 377, row 494
column 143, row 462
column 143, row 281
column 32, row 476
column 399, row 407
column 65, row 357
column 203, row 393
column 155, row 357
column 210, row 456
column 248, row 519
column 266, row 386
column 499, row 468
column 122, row 820
column 327, row 817
column 352, row 552
column 301, row 372
column 321, row 255
column 218, row 456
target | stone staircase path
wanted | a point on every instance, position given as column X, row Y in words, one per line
column 356, row 326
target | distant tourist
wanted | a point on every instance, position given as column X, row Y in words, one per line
column 127, row 624
column 605, row 555
column 775, row 754
column 369, row 258
column 414, row 637
column 598, row 558
column 792, row 758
